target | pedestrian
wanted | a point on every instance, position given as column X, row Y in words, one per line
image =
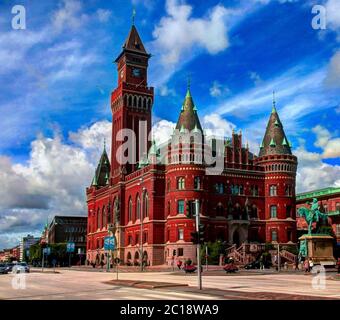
column 296, row 263
column 179, row 264
column 261, row 263
column 102, row 264
column 306, row 265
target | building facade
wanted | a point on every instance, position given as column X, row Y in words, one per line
column 147, row 203
column 63, row 229
column 329, row 201
column 25, row 244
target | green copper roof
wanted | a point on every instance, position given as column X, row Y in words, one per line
column 272, row 143
column 276, row 123
column 102, row 174
column 318, row 193
column 153, row 149
column 261, row 146
column 284, row 142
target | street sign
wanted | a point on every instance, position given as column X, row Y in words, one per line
column 70, row 247
column 109, row 243
column 47, row 251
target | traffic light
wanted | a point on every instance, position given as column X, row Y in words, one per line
column 201, row 229
column 194, row 237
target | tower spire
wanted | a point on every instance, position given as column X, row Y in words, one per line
column 133, row 16
column 274, row 102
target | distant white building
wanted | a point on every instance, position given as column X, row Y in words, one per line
column 26, row 243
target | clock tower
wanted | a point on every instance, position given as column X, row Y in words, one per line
column 131, row 105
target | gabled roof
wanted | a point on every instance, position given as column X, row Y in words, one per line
column 188, row 118
column 102, row 174
column 275, row 140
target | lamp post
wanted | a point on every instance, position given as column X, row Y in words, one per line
column 199, row 275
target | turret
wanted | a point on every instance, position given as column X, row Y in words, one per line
column 280, row 165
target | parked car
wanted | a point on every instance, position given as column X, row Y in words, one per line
column 3, row 269
column 9, row 267
column 21, row 267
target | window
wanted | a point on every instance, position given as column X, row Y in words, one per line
column 234, row 189
column 219, row 187
column 289, row 235
column 180, row 206
column 181, row 183
column 130, row 209
column 180, row 234
column 104, row 217
column 288, row 211
column 197, row 183
column 138, row 208
column 130, row 240
column 180, row 252
column 288, row 190
column 325, row 208
column 137, row 238
column 337, row 206
column 99, row 219
column 274, row 235
column 174, row 252
column 146, row 205
column 254, row 191
column 108, row 213
column 241, row 190
column 145, row 237
column 168, row 185
column 273, row 211
column 273, row 190
column 169, row 208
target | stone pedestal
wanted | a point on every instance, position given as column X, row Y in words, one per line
column 319, row 248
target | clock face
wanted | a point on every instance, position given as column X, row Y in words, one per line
column 136, row 72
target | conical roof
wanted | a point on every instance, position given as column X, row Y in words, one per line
column 188, row 118
column 102, row 174
column 275, row 140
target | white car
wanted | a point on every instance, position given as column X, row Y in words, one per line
column 21, row 268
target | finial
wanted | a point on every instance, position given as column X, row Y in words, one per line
column 189, row 81
column 133, row 16
column 104, row 143
column 274, row 103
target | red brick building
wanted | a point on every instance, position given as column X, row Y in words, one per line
column 252, row 199
column 329, row 201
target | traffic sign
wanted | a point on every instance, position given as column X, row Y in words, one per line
column 109, row 243
column 47, row 251
column 70, row 247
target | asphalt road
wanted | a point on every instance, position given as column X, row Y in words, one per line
column 82, row 285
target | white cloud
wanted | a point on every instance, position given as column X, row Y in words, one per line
column 330, row 147
column 214, row 125
column 313, row 173
column 69, row 16
column 255, row 77
column 53, row 180
column 162, row 131
column 178, row 33
column 333, row 75
column 164, row 91
column 103, row 15
column 333, row 14
column 218, row 90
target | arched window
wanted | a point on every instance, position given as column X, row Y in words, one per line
column 108, row 213
column 149, row 103
column 181, row 183
column 241, row 190
column 168, row 208
column 145, row 205
column 138, row 208
column 104, row 217
column 144, row 103
column 99, row 219
column 140, row 102
column 130, row 101
column 273, row 190
column 130, row 210
column 197, row 183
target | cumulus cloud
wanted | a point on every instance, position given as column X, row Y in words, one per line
column 162, row 131
column 329, row 145
column 333, row 14
column 179, row 33
column 313, row 173
column 52, row 181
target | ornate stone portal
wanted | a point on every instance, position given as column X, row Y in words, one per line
column 316, row 246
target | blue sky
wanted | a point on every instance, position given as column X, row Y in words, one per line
column 56, row 77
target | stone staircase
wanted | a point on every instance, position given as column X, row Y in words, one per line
column 239, row 255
